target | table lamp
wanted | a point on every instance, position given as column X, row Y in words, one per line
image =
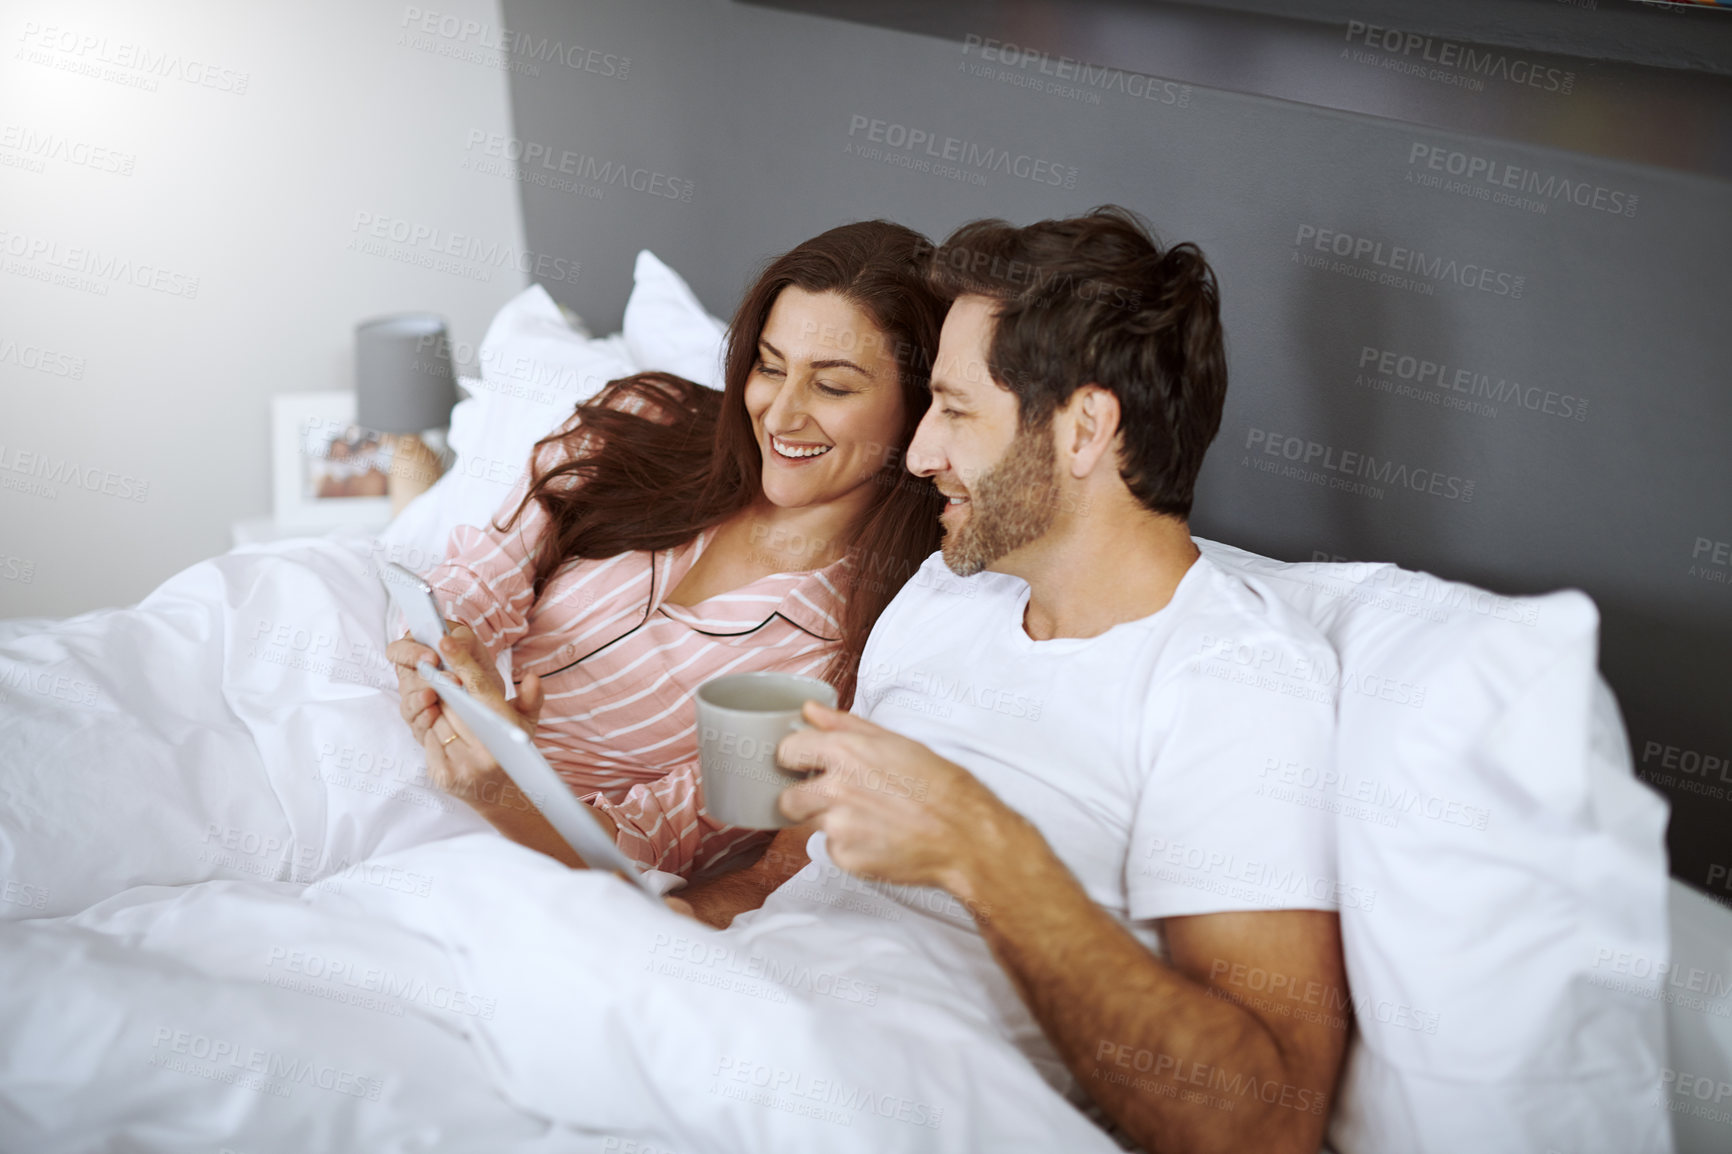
column 403, row 386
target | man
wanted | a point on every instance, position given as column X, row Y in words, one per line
column 1075, row 757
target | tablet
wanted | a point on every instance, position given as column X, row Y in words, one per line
column 523, row 763
column 414, row 598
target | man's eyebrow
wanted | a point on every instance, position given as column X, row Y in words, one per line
column 940, row 386
column 834, row 363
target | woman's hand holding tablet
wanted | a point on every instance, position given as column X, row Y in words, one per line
column 544, row 815
column 458, row 759
column 529, row 802
column 457, row 762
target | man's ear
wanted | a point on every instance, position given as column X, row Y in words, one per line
column 1093, row 429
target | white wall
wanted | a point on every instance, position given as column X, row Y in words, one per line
column 260, row 134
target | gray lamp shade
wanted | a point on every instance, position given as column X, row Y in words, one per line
column 403, row 378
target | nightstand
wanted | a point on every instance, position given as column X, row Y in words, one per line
column 257, row 530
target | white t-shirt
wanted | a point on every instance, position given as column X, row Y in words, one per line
column 1150, row 757
column 1145, row 755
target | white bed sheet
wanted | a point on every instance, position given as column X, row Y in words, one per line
column 236, row 916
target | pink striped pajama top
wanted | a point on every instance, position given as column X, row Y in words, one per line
column 619, row 665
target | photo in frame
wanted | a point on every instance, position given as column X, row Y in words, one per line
column 326, row 472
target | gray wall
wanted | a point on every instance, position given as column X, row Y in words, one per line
column 1579, row 431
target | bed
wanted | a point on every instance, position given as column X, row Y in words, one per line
column 236, row 916
column 238, row 920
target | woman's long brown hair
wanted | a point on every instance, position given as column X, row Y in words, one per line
column 688, row 460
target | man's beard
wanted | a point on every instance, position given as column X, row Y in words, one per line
column 1012, row 504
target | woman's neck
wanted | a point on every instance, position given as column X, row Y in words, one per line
column 757, row 541
column 792, row 540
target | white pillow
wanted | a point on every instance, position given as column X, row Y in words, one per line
column 1484, row 799
column 536, row 366
column 666, row 327
column 1698, row 997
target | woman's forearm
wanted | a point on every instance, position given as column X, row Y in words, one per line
column 507, row 810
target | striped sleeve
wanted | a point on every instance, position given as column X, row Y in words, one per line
column 487, row 578
column 661, row 827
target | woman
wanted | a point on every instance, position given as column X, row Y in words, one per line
column 668, row 534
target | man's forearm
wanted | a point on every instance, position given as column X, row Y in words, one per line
column 718, row 901
column 1165, row 1058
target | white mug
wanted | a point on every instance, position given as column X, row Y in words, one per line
column 741, row 718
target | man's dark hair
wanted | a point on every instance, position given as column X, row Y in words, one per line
column 1096, row 299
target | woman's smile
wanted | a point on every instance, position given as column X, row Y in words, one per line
column 796, row 451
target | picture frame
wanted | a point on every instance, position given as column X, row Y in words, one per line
column 326, row 472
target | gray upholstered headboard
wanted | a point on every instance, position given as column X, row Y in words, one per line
column 1474, row 261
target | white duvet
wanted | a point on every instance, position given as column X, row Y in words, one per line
column 235, row 917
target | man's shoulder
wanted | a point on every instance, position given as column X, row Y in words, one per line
column 1243, row 621
column 934, row 589
column 933, row 616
